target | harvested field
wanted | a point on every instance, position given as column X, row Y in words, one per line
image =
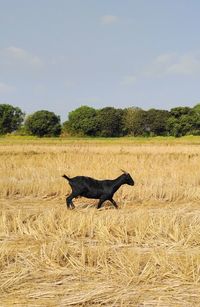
column 144, row 254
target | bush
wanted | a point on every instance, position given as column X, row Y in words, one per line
column 43, row 123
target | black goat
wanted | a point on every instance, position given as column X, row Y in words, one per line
column 98, row 189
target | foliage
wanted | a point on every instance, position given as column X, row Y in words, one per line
column 11, row 118
column 109, row 121
column 156, row 121
column 134, row 122
column 184, row 120
column 105, row 122
column 82, row 121
column 66, row 129
column 43, row 123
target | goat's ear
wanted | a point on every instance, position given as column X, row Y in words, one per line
column 124, row 171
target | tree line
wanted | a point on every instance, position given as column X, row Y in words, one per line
column 105, row 122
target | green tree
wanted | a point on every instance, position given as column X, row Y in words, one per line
column 196, row 120
column 11, row 118
column 184, row 120
column 179, row 111
column 156, row 121
column 197, row 108
column 43, row 123
column 66, row 129
column 134, row 122
column 109, row 122
column 82, row 121
column 174, row 126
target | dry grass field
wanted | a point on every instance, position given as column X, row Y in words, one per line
column 147, row 253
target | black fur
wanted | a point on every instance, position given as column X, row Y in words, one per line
column 98, row 189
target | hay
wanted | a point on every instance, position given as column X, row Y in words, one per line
column 145, row 254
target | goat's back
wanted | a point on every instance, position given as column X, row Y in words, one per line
column 87, row 186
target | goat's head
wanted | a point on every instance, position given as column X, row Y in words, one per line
column 128, row 179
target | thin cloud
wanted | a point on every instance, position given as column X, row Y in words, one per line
column 93, row 100
column 89, row 100
column 6, row 88
column 128, row 80
column 167, row 64
column 69, row 84
column 186, row 65
column 173, row 64
column 14, row 55
column 109, row 19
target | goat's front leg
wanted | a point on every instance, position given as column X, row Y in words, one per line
column 114, row 203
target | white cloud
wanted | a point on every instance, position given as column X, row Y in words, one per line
column 6, row 88
column 109, row 19
column 185, row 65
column 14, row 55
column 167, row 64
column 128, row 80
column 173, row 64
column 160, row 65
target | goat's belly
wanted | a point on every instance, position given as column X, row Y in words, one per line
column 93, row 194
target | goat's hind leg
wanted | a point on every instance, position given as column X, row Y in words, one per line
column 99, row 204
column 69, row 201
column 114, row 203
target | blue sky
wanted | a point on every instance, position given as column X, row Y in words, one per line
column 57, row 55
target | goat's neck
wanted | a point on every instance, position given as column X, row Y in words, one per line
column 118, row 182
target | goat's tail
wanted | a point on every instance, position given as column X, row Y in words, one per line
column 66, row 177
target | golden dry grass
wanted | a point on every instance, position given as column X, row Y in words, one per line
column 144, row 254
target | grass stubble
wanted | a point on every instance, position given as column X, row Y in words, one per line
column 144, row 254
